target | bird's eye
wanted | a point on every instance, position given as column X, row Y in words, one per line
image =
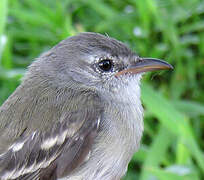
column 105, row 65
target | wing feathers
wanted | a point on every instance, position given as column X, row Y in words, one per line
column 65, row 145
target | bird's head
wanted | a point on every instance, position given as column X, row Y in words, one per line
column 97, row 62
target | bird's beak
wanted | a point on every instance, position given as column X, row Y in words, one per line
column 144, row 65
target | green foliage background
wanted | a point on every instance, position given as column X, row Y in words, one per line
column 172, row 146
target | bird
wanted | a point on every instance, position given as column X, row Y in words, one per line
column 77, row 113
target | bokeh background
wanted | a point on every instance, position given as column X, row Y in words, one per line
column 173, row 141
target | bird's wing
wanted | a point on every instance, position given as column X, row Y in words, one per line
column 46, row 155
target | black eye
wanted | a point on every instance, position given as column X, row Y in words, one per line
column 105, row 65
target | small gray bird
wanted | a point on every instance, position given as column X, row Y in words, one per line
column 77, row 114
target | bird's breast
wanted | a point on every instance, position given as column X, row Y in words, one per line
column 119, row 136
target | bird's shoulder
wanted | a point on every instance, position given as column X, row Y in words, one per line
column 35, row 134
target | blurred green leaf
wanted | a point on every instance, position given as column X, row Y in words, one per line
column 173, row 120
column 3, row 16
column 9, row 74
column 175, row 173
column 172, row 30
column 157, row 151
column 189, row 107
